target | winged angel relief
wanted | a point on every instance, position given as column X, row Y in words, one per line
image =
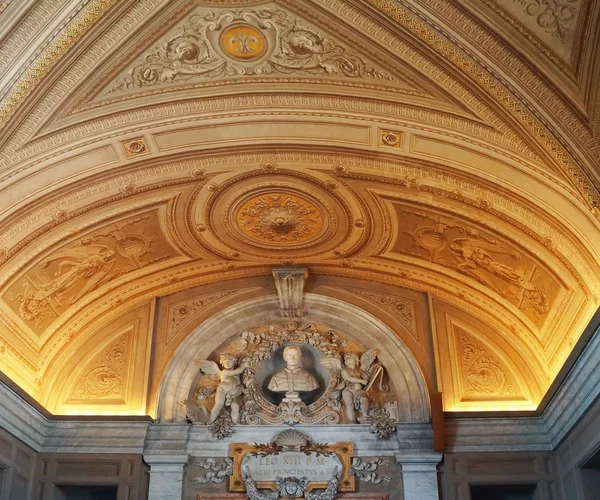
column 205, row 47
column 229, row 391
column 358, row 377
column 318, row 379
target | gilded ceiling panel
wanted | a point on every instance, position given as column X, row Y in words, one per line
column 273, row 129
column 209, row 45
column 480, row 368
column 59, row 280
column 500, row 265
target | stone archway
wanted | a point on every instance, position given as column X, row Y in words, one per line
column 403, row 370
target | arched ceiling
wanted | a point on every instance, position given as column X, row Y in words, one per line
column 434, row 162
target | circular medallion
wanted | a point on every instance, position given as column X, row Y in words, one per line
column 279, row 218
column 243, row 43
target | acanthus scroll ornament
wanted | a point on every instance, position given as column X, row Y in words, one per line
column 555, row 16
column 218, row 471
column 365, row 471
column 240, row 42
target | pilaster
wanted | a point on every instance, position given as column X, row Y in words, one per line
column 420, row 475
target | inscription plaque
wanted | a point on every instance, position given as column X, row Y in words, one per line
column 313, row 466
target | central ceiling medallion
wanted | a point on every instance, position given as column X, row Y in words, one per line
column 243, row 42
column 280, row 215
column 279, row 218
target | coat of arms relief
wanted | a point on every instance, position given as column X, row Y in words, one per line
column 290, row 374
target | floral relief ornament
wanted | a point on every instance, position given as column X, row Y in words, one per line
column 244, row 50
column 555, row 16
column 279, row 218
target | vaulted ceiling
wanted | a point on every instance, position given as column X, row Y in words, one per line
column 433, row 162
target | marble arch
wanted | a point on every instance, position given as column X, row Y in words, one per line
column 403, row 369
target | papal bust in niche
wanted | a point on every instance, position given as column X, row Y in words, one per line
column 293, row 379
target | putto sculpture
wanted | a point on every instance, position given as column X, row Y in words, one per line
column 230, row 389
column 358, row 377
column 343, row 385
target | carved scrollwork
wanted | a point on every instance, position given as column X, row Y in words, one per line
column 105, row 377
column 365, row 471
column 218, row 471
column 483, row 373
column 554, row 16
column 245, row 42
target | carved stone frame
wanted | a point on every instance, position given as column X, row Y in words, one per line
column 344, row 451
column 347, row 496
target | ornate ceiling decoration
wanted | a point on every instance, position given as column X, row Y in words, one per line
column 157, row 159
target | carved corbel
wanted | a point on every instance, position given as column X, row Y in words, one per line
column 290, row 287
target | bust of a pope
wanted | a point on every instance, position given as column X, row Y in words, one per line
column 293, row 379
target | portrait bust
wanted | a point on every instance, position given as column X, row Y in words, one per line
column 293, row 379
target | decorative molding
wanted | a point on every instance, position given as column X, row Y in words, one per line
column 181, row 313
column 399, row 307
column 55, row 51
column 135, row 147
column 501, row 91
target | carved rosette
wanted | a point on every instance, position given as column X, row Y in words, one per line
column 267, row 214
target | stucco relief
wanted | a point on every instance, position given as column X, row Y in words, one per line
column 259, row 214
column 106, row 375
column 279, row 218
column 292, row 373
column 58, row 281
column 231, row 43
column 462, row 246
column 181, row 313
column 401, row 308
column 483, row 373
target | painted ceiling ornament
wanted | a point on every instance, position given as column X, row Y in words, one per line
column 240, row 396
column 244, row 42
column 279, row 218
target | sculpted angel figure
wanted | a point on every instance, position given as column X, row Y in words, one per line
column 358, row 376
column 230, row 389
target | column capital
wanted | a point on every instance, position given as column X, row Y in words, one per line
column 166, row 463
column 427, row 460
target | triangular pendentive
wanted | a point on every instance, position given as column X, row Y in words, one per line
column 213, row 44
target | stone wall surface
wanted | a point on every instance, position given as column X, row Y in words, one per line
column 17, row 463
